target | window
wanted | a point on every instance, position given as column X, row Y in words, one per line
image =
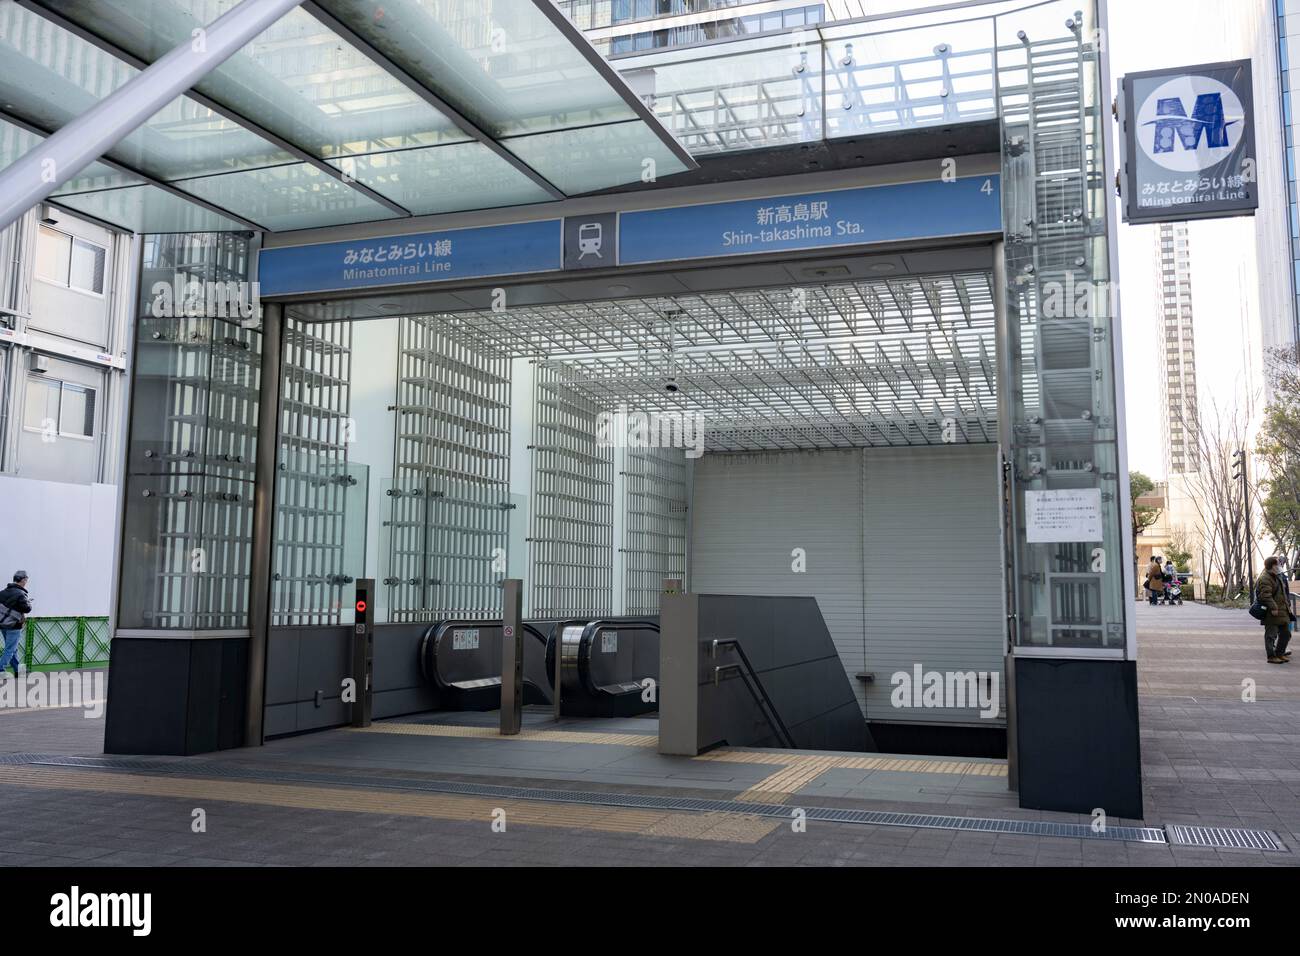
column 87, row 271
column 53, row 254
column 41, row 408
column 77, row 411
column 65, row 408
column 68, row 261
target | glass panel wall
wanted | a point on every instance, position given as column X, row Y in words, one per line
column 394, row 465
column 189, row 496
column 1071, row 547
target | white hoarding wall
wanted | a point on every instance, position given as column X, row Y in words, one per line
column 62, row 536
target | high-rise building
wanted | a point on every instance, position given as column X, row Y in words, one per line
column 1177, row 347
column 635, row 26
column 1287, row 20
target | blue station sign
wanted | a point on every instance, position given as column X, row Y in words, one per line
column 475, row 252
column 841, row 217
column 864, row 215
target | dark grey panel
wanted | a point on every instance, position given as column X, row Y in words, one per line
column 1077, row 731
column 302, row 661
column 408, row 700
column 280, row 719
column 148, row 696
column 324, row 660
column 175, row 697
column 332, row 712
column 397, row 656
column 282, row 666
column 793, row 657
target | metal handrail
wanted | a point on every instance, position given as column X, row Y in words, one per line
column 755, row 687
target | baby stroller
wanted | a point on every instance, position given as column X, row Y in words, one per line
column 1174, row 590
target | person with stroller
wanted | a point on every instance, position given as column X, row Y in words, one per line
column 1155, row 581
column 1173, row 587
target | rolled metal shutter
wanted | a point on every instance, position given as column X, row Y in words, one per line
column 751, row 511
column 933, row 576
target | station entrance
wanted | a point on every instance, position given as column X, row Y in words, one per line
column 816, row 427
column 823, row 451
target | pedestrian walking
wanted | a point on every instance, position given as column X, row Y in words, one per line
column 15, row 605
column 1272, row 592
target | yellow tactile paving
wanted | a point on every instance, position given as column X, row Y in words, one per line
column 799, row 770
column 899, row 764
column 796, row 770
column 552, row 736
column 731, row 828
column 790, row 779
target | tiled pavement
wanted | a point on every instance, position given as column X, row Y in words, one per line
column 1209, row 757
column 1220, row 725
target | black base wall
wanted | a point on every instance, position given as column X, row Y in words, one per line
column 176, row 697
column 940, row 741
column 305, row 668
column 1077, row 728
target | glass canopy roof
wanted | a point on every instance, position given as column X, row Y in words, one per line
column 343, row 111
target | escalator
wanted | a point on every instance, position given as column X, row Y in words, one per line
column 462, row 661
column 605, row 665
column 607, row 668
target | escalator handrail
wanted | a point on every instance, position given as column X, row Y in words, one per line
column 437, row 628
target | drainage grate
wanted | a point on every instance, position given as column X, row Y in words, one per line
column 1225, row 838
column 623, row 800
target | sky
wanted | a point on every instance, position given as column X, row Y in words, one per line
column 1222, row 251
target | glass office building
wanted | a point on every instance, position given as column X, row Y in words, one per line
column 1288, row 49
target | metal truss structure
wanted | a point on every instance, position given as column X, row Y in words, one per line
column 653, row 542
column 449, row 521
column 309, row 569
column 570, row 541
column 869, row 362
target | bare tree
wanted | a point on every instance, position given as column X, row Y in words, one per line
column 1217, row 495
column 1278, row 450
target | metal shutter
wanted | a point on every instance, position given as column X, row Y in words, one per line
column 932, row 537
column 751, row 510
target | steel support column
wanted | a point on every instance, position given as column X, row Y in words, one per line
column 260, row 564
column 1004, row 343
column 46, row 167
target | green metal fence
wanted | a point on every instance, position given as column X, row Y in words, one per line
column 57, row 643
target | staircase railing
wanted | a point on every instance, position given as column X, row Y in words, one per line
column 750, row 679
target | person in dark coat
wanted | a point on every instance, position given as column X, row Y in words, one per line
column 15, row 605
column 1272, row 591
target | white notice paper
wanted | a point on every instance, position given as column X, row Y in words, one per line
column 1066, row 515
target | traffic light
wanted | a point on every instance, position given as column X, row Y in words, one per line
column 1238, row 466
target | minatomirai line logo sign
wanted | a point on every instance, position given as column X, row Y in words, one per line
column 1183, row 143
column 1190, row 144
